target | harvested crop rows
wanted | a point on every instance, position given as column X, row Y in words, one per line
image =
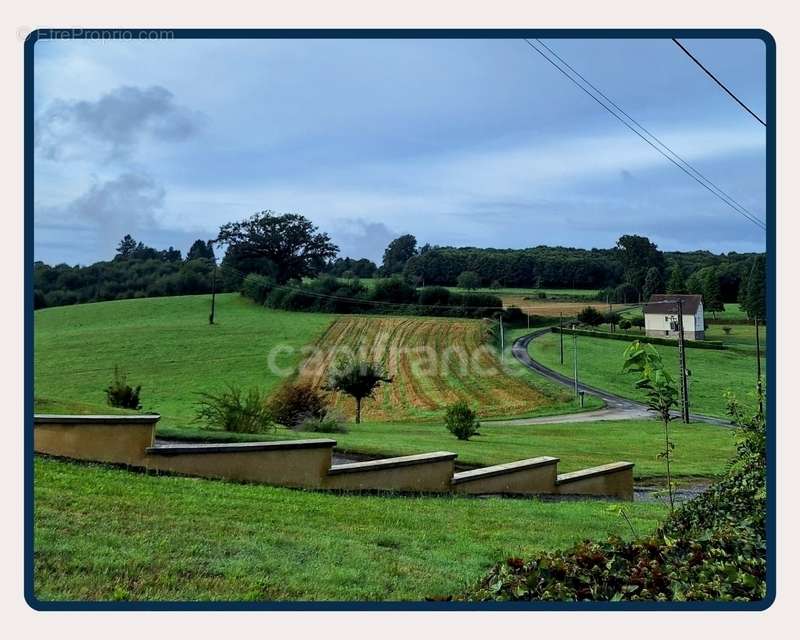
column 433, row 363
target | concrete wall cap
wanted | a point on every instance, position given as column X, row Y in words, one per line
column 235, row 447
column 391, row 463
column 593, row 471
column 45, row 418
column 501, row 469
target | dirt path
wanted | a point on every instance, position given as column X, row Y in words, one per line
column 617, row 407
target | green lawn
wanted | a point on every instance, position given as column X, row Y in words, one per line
column 167, row 346
column 108, row 534
column 600, row 365
column 700, row 450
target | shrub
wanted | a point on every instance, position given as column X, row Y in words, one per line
column 590, row 316
column 294, row 403
column 727, row 330
column 434, row 296
column 711, row 548
column 542, row 295
column 461, row 421
column 624, row 324
column 638, row 321
column 120, row 394
column 235, row 411
column 468, row 280
column 394, row 290
column 257, row 287
column 328, row 422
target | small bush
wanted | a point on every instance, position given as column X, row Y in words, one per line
column 591, row 316
column 328, row 422
column 233, row 410
column 727, row 330
column 624, row 324
column 257, row 287
column 542, row 295
column 638, row 321
column 120, row 394
column 461, row 421
column 294, row 403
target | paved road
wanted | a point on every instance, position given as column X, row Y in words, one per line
column 617, row 407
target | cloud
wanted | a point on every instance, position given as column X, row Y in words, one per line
column 359, row 238
column 120, row 205
column 116, row 122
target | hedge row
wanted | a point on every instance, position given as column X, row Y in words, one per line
column 693, row 344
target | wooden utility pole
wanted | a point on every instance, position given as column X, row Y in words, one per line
column 758, row 371
column 502, row 340
column 682, row 352
column 561, row 333
column 213, row 293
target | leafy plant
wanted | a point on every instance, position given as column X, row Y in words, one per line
column 357, row 379
column 712, row 548
column 120, row 394
column 233, row 410
column 660, row 390
column 328, row 422
column 727, row 330
column 294, row 403
column 461, row 421
column 624, row 324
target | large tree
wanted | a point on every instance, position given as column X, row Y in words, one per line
column 712, row 294
column 286, row 246
column 637, row 255
column 753, row 298
column 399, row 251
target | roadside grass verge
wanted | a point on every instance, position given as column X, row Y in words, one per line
column 104, row 533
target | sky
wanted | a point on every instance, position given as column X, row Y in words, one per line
column 461, row 142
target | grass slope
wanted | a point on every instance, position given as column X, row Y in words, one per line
column 167, row 346
column 108, row 534
column 600, row 365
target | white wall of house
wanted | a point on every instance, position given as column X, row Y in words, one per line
column 661, row 323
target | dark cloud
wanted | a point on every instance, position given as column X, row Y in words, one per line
column 117, row 120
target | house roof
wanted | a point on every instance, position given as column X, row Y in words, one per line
column 662, row 303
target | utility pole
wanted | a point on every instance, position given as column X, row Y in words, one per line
column 758, row 370
column 502, row 341
column 213, row 293
column 561, row 333
column 528, row 313
column 575, row 357
column 682, row 352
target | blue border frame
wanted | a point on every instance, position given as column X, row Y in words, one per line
column 758, row 34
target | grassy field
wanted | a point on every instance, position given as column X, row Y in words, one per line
column 99, row 537
column 167, row 346
column 433, row 362
column 600, row 365
column 700, row 450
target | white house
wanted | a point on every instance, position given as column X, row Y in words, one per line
column 661, row 316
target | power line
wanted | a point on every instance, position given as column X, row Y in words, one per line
column 720, row 193
column 680, row 162
column 718, row 81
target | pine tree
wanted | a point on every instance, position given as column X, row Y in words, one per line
column 712, row 295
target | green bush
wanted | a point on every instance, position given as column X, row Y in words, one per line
column 461, row 421
column 120, row 394
column 712, row 548
column 233, row 410
column 294, row 403
column 257, row 287
column 590, row 316
column 328, row 422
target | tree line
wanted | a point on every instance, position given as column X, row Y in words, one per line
column 288, row 248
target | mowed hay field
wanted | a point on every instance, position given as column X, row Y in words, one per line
column 433, row 362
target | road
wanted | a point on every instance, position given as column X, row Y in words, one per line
column 616, row 407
